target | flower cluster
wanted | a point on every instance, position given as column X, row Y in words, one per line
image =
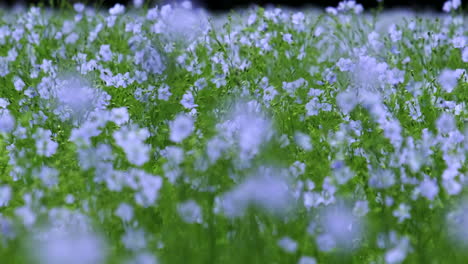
column 166, row 134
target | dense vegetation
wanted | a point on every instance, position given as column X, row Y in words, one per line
column 169, row 135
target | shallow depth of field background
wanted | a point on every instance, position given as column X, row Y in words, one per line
column 172, row 133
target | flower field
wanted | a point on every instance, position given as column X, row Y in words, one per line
column 166, row 134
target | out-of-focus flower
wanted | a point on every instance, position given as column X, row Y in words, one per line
column 266, row 190
column 181, row 128
column 5, row 195
column 288, row 244
column 117, row 9
column 402, row 212
column 448, row 79
column 340, row 229
column 131, row 140
column 190, row 212
column 7, row 121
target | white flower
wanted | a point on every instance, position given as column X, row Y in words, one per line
column 303, row 140
column 465, row 54
column 288, row 244
column 247, row 128
column 344, row 64
column 48, row 176
column 340, row 228
column 134, row 239
column 347, row 100
column 215, row 148
column 79, row 7
column 173, row 154
column 69, row 199
column 7, row 121
column 395, row 34
column 76, row 100
column 447, row 6
column 267, row 190
column 117, row 9
column 448, row 79
column 119, row 115
column 456, row 4
column 298, row 18
column 67, row 244
column 457, row 221
column 269, row 93
column 125, row 212
column 188, row 101
column 105, row 52
column 181, row 127
column 307, row 260
column 190, row 212
column 19, row 84
column 149, row 186
column 402, row 212
column 361, row 208
column 5, row 195
column 350, row 5
column 459, row 42
column 446, row 123
column 287, row 38
column 4, row 67
column 325, row 242
column 164, row 93
column 313, row 107
column 368, row 74
column 341, row 172
column 131, row 140
column 297, row 169
column 392, row 131
column 45, row 146
column 452, row 186
column 72, row 38
column 252, row 18
column 398, row 253
column 90, row 128
column 429, row 188
column 451, row 5
column 382, row 178
column 27, row 216
column 138, row 3
column 331, row 10
column 182, row 24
